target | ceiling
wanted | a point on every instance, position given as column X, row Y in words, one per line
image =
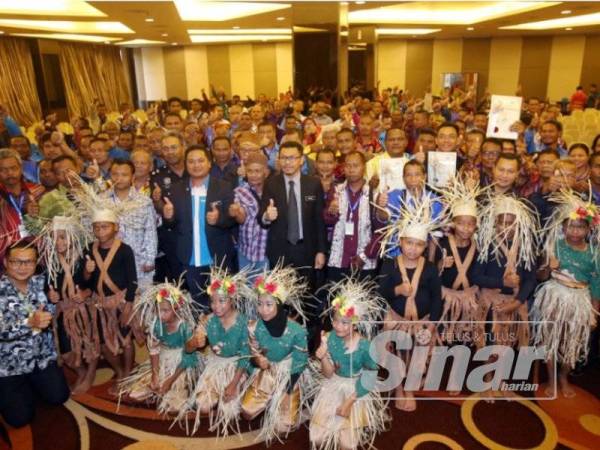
column 162, row 22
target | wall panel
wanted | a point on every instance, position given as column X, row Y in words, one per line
column 419, row 59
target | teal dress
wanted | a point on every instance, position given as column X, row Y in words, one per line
column 350, row 365
column 583, row 265
column 291, row 342
column 177, row 339
column 232, row 342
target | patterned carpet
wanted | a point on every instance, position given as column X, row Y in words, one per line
column 94, row 421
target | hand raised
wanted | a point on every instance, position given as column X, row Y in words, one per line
column 168, row 209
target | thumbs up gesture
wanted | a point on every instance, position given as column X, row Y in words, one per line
column 236, row 210
column 271, row 212
column 212, row 216
column 156, row 193
column 382, row 199
column 93, row 170
column 53, row 296
column 323, row 350
column 90, row 264
column 31, row 206
column 334, row 206
column 168, row 209
column 39, row 319
column 420, row 155
column 241, row 171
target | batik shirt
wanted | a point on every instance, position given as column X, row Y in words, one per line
column 22, row 349
column 137, row 228
column 231, row 342
column 351, row 364
column 291, row 343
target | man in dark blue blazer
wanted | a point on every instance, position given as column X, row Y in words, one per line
column 196, row 211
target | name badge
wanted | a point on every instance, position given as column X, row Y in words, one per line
column 23, row 231
column 349, row 228
column 310, row 198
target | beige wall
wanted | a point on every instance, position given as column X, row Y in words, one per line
column 566, row 61
column 505, row 63
column 447, row 57
column 243, row 69
column 548, row 67
column 391, row 62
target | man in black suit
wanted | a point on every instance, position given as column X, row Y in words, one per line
column 292, row 210
column 196, row 211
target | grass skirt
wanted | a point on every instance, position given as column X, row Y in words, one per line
column 460, row 311
column 508, row 329
column 328, row 431
column 570, row 315
column 209, row 393
column 265, row 391
column 175, row 401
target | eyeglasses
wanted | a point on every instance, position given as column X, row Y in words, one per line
column 22, row 262
column 289, row 158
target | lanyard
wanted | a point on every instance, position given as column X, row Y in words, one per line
column 18, row 206
column 352, row 207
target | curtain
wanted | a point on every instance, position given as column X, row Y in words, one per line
column 92, row 72
column 18, row 92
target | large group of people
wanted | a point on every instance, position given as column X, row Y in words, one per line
column 256, row 247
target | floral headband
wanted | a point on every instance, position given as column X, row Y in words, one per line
column 172, row 295
column 262, row 286
column 589, row 213
column 225, row 287
column 345, row 308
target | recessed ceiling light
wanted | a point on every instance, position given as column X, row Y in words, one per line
column 236, row 28
column 360, row 3
column 67, row 37
column 67, row 26
column 280, row 18
column 202, row 10
column 139, row 42
column 164, row 34
column 405, row 31
column 77, row 8
column 443, row 13
column 173, row 43
column 238, row 32
column 470, row 29
column 148, row 19
column 568, row 29
column 572, row 21
column 208, row 39
column 566, row 11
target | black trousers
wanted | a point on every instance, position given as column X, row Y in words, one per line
column 197, row 279
column 19, row 392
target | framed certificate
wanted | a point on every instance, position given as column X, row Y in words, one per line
column 391, row 171
column 505, row 110
column 441, row 168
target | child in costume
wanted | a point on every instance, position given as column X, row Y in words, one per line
column 225, row 333
column 455, row 258
column 62, row 240
column 566, row 305
column 346, row 412
column 169, row 375
column 411, row 284
column 111, row 271
column 62, row 243
column 278, row 382
column 505, row 271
